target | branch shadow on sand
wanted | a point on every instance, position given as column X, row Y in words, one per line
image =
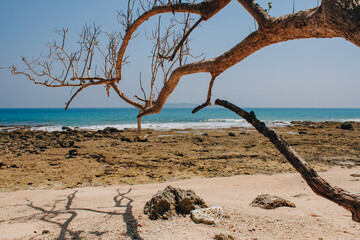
column 72, row 212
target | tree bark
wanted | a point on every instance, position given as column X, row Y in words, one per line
column 349, row 201
column 334, row 18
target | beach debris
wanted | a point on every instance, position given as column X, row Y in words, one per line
column 209, row 215
column 231, row 134
column 223, row 236
column 267, row 201
column 301, row 195
column 346, row 126
column 172, row 201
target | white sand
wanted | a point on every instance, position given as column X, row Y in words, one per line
column 101, row 213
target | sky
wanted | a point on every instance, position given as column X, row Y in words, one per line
column 317, row 73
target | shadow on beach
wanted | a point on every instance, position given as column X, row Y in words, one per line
column 121, row 201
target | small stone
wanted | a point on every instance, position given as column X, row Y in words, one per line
column 73, row 152
column 125, row 139
column 355, row 175
column 267, row 201
column 66, row 129
column 231, row 134
column 301, row 195
column 209, row 215
column 45, row 231
column 223, row 236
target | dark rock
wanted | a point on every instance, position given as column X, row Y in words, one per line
column 346, row 126
column 66, row 143
column 125, row 139
column 223, row 236
column 66, row 129
column 99, row 157
column 302, row 132
column 205, row 134
column 171, row 201
column 267, row 201
column 231, row 134
column 137, row 139
column 110, row 130
column 72, row 153
column 13, row 166
column 97, row 135
column 88, row 134
column 355, row 175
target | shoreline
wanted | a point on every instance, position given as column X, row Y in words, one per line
column 169, row 126
column 75, row 158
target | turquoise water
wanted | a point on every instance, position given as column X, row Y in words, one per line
column 169, row 118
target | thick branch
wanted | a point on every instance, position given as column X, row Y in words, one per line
column 300, row 25
column 205, row 9
column 349, row 201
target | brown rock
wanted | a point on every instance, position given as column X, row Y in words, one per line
column 267, row 201
column 172, row 201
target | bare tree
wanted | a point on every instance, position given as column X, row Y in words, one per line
column 331, row 18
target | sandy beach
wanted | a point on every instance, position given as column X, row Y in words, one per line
column 116, row 212
column 78, row 184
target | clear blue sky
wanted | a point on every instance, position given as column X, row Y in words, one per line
column 301, row 73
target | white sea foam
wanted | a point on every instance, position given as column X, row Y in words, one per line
column 208, row 124
column 351, row 120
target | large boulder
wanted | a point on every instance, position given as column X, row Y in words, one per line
column 172, row 201
column 268, row 201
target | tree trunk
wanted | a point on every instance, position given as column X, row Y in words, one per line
column 349, row 201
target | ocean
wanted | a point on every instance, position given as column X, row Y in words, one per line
column 51, row 119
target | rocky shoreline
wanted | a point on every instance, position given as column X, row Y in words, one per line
column 74, row 157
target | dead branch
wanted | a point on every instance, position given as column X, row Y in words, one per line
column 208, row 99
column 75, row 94
column 349, row 201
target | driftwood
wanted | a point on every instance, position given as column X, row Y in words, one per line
column 349, row 201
